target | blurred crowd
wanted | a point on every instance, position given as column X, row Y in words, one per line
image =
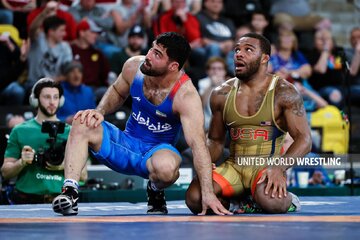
column 84, row 44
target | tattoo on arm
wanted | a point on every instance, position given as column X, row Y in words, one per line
column 291, row 99
column 224, row 93
column 298, row 107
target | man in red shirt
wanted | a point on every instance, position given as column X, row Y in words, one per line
column 54, row 6
column 96, row 66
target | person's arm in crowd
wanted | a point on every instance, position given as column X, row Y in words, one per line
column 35, row 26
column 355, row 61
column 304, row 71
column 7, row 5
column 321, row 64
column 105, row 21
column 320, row 102
column 121, row 25
column 26, row 8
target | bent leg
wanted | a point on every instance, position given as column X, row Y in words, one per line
column 163, row 167
column 76, row 153
column 269, row 204
column 193, row 196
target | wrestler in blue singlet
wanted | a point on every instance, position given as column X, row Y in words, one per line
column 149, row 128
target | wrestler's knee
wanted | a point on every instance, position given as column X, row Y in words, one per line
column 78, row 127
column 193, row 197
column 269, row 204
column 81, row 130
column 166, row 171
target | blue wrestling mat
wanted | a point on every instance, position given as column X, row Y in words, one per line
column 320, row 218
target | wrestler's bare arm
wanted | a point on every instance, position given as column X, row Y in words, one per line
column 187, row 104
column 117, row 93
column 217, row 129
column 292, row 118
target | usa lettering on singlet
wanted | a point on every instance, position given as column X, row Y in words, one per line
column 257, row 135
column 149, row 122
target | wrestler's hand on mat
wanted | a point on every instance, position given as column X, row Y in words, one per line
column 211, row 201
column 275, row 180
column 92, row 117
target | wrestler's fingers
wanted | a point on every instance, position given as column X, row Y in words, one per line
column 274, row 191
column 262, row 179
column 203, row 212
column 78, row 114
column 268, row 187
column 281, row 191
column 84, row 116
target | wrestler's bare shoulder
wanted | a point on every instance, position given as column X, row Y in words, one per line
column 131, row 67
column 286, row 94
column 224, row 88
column 133, row 63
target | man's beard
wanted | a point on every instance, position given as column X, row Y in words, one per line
column 152, row 72
column 45, row 112
column 253, row 68
column 134, row 48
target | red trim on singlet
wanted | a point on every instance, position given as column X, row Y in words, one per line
column 178, row 84
column 226, row 188
column 253, row 187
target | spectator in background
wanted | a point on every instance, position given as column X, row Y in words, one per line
column 216, row 75
column 6, row 13
column 105, row 20
column 12, row 64
column 52, row 8
column 297, row 14
column 240, row 11
column 130, row 13
column 288, row 62
column 259, row 23
column 178, row 19
column 95, row 65
column 48, row 50
column 136, row 40
column 13, row 120
column 353, row 55
column 327, row 68
column 243, row 29
column 20, row 9
column 217, row 31
column 26, row 140
column 77, row 95
column 194, row 6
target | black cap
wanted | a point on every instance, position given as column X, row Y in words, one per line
column 136, row 30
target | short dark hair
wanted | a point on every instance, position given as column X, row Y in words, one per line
column 265, row 45
column 46, row 82
column 52, row 23
column 177, row 47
